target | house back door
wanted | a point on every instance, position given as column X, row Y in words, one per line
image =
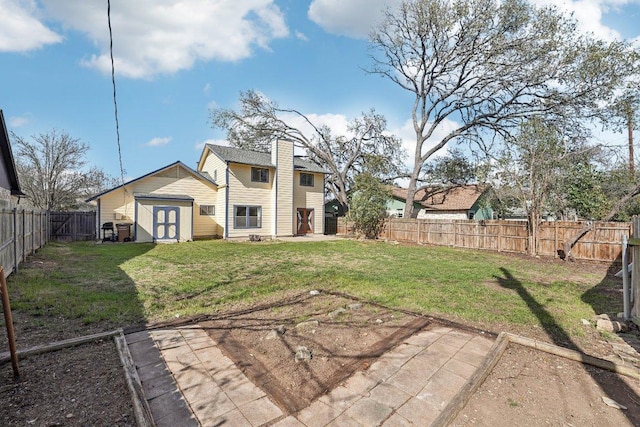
column 166, row 222
column 305, row 221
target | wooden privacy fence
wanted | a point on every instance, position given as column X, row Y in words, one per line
column 72, row 226
column 602, row 243
column 22, row 232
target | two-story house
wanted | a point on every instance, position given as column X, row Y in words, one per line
column 233, row 193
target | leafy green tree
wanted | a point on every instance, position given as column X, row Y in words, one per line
column 487, row 65
column 454, row 168
column 368, row 146
column 369, row 205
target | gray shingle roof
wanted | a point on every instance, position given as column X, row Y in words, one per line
column 239, row 155
column 258, row 158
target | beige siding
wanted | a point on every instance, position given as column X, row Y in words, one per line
column 215, row 167
column 310, row 198
column 283, row 156
column 244, row 192
column 119, row 206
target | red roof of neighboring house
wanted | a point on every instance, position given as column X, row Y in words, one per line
column 443, row 199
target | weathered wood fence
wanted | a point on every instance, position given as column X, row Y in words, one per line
column 72, row 226
column 602, row 243
column 22, row 232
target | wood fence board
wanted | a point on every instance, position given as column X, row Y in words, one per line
column 602, row 243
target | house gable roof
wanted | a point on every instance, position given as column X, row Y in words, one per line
column 443, row 198
column 206, row 178
column 258, row 158
column 7, row 159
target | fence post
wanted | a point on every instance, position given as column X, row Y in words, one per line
column 15, row 240
column 24, row 235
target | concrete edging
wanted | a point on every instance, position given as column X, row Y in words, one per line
column 495, row 354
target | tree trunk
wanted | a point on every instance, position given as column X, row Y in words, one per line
column 569, row 244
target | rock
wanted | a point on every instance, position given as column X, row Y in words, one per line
column 314, row 292
column 336, row 312
column 601, row 316
column 378, row 321
column 610, row 326
column 585, row 322
column 280, row 329
column 303, row 353
column 310, row 324
column 272, row 335
column 355, row 306
column 612, row 403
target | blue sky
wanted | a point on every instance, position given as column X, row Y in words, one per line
column 175, row 60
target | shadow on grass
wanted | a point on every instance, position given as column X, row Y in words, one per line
column 613, row 389
column 67, row 290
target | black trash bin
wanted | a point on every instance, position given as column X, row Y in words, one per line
column 124, row 232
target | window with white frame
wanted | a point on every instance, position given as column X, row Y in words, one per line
column 306, row 179
column 247, row 216
column 259, row 175
column 207, row 210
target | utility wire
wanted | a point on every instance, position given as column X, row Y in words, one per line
column 115, row 102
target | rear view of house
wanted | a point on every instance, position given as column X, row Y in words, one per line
column 233, row 193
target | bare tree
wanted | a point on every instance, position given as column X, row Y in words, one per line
column 367, row 147
column 50, row 167
column 487, row 65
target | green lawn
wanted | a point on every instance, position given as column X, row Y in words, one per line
column 121, row 285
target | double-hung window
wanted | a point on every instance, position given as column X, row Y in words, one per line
column 247, row 216
column 306, row 179
column 259, row 174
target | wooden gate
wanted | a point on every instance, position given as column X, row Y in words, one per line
column 72, row 226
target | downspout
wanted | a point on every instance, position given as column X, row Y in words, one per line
column 99, row 219
column 135, row 218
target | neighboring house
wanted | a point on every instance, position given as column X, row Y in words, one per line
column 234, row 193
column 458, row 202
column 9, row 186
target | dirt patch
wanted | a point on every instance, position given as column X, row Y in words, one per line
column 534, row 388
column 76, row 386
column 341, row 335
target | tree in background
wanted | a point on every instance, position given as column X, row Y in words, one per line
column 50, row 169
column 368, row 147
column 486, row 65
column 532, row 168
column 368, row 208
column 454, row 168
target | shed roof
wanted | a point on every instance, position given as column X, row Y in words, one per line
column 7, row 159
column 158, row 196
column 444, row 198
column 259, row 158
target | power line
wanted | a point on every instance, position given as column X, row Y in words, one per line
column 115, row 101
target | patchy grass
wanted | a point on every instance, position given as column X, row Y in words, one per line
column 119, row 285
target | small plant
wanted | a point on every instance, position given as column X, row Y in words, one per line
column 513, row 403
column 369, row 205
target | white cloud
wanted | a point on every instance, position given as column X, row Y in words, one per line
column 353, row 18
column 21, row 29
column 301, row 36
column 155, row 142
column 16, row 122
column 153, row 37
column 207, row 88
